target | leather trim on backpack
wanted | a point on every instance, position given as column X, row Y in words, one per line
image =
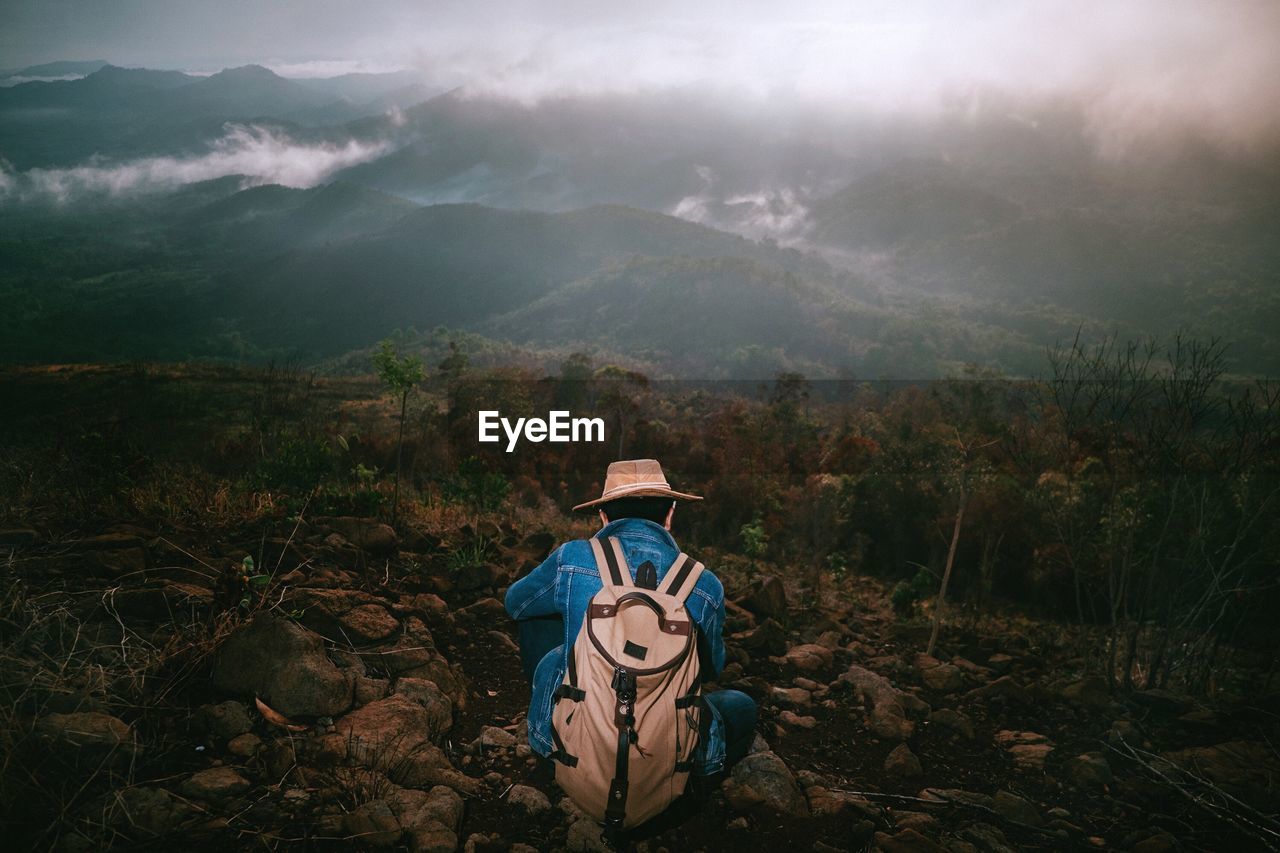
column 671, row 664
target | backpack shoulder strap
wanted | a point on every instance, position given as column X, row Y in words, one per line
column 610, row 562
column 682, row 577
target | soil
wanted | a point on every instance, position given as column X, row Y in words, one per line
column 842, row 753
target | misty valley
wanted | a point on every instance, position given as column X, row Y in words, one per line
column 245, row 216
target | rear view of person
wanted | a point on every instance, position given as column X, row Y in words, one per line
column 617, row 635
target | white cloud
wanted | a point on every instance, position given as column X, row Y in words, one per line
column 331, row 67
column 19, row 79
column 263, row 156
column 779, row 214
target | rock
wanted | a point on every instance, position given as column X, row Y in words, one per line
column 905, row 841
column 118, row 563
column 429, row 766
column 216, row 783
column 919, row 821
column 767, row 638
column 1089, row 770
column 245, row 745
column 90, row 733
column 1238, row 765
column 157, row 602
column 368, row 623
column 808, row 657
column 944, row 678
column 530, row 799
column 431, row 818
column 285, row 665
column 503, row 641
column 223, row 721
column 107, row 542
column 1012, row 807
column 823, row 802
column 790, row 697
column 384, row 732
column 1088, row 692
column 967, row 666
column 492, row 737
column 427, row 605
column 956, row 795
column 1003, row 689
column 369, row 689
column 486, row 609
column 1029, row 749
column 427, row 694
column 367, row 534
column 1160, row 842
column 586, row 835
column 768, row 597
column 886, row 714
column 372, row 824
column 795, row 721
column 481, row 843
column 152, row 810
column 1001, row 663
column 1163, row 701
column 1124, row 731
column 902, row 763
column 481, row 576
column 763, row 779
column 279, row 758
column 953, row 721
column 18, row 537
column 987, row 838
column 830, row 639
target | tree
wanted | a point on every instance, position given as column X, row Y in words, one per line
column 399, row 375
column 623, row 391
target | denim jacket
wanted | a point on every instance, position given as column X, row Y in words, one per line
column 565, row 583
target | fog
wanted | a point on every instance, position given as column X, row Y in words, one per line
column 261, row 155
column 1140, row 69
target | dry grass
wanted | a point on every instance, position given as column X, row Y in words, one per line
column 66, row 653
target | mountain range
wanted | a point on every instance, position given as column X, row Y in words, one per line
column 671, row 230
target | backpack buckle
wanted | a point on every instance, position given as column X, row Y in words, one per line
column 624, row 684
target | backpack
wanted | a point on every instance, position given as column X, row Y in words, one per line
column 630, row 711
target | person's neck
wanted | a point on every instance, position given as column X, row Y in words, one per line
column 615, row 525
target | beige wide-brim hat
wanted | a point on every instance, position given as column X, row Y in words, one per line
column 636, row 478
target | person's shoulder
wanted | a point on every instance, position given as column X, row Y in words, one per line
column 709, row 585
column 576, row 554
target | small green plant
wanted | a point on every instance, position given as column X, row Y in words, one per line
column 838, row 565
column 399, row 375
column 754, row 540
column 478, row 488
column 906, row 593
column 250, row 583
column 470, row 556
column 298, row 463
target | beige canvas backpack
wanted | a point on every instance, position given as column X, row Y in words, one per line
column 630, row 712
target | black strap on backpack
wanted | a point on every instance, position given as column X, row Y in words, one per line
column 624, row 685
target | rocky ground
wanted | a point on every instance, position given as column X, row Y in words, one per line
column 349, row 686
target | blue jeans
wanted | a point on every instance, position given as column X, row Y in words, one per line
column 738, row 710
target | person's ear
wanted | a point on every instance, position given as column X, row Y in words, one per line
column 604, row 519
column 670, row 515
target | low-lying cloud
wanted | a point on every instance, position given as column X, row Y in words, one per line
column 778, row 214
column 1139, row 69
column 261, row 155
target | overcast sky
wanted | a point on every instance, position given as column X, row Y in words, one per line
column 1211, row 63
